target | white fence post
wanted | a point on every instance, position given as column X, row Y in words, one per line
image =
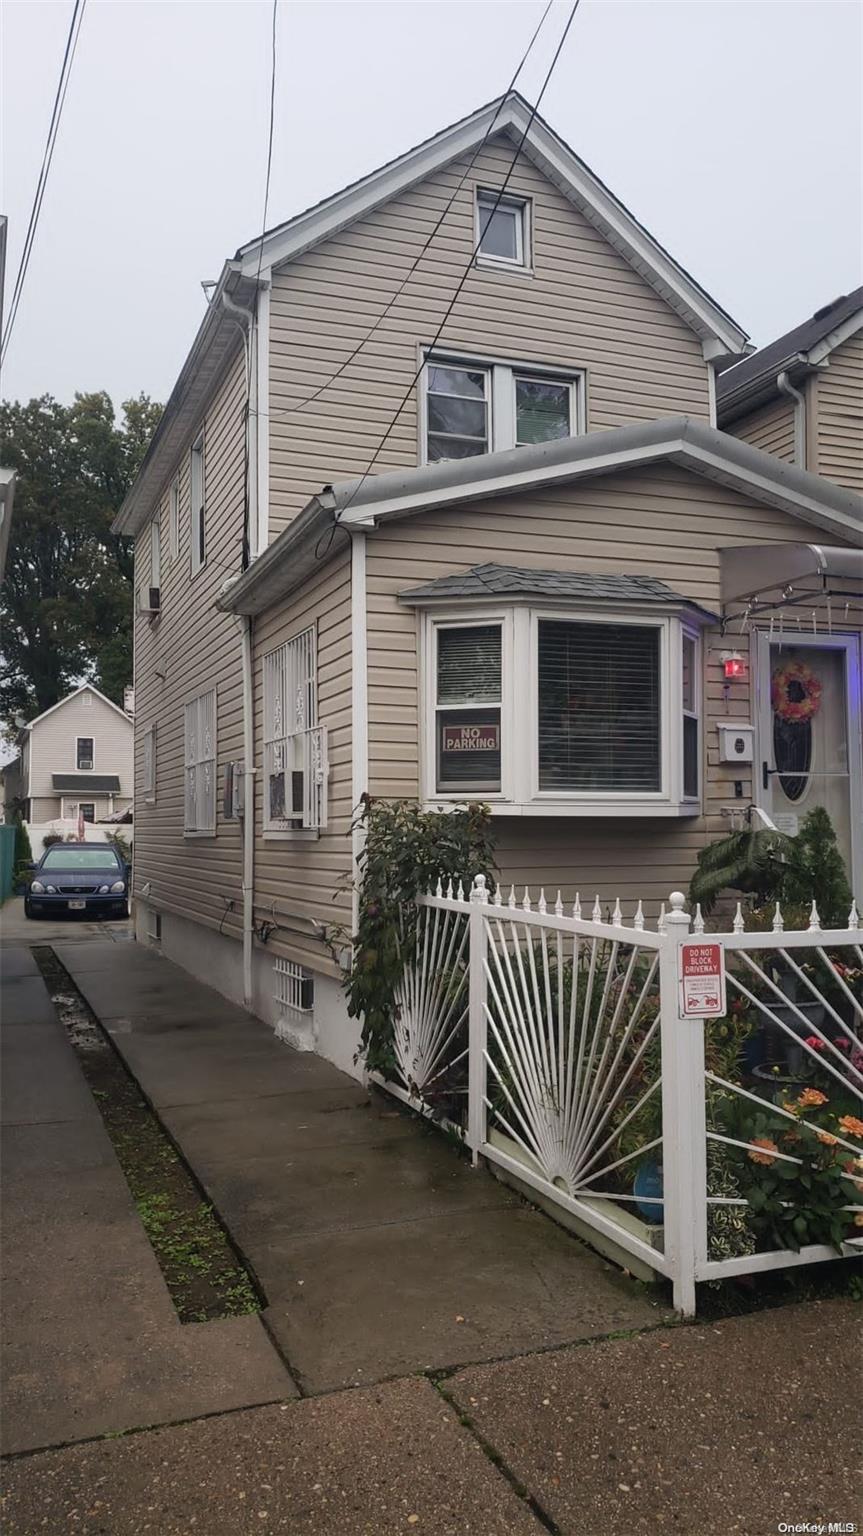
column 684, row 1153
column 477, row 1022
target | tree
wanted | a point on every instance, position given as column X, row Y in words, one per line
column 66, row 605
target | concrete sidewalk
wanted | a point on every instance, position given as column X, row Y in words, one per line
column 721, row 1430
column 91, row 1343
column 380, row 1250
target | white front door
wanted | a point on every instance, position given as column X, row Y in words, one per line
column 809, row 737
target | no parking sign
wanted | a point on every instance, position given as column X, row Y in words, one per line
column 701, row 980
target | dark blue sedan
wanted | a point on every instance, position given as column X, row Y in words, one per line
column 90, row 878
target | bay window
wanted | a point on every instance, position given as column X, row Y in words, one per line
column 562, row 710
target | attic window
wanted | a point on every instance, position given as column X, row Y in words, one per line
column 503, row 230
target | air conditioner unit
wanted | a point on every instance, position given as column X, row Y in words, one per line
column 233, row 800
column 150, row 600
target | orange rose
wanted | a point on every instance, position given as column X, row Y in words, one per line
column 828, row 1140
column 810, row 1098
column 768, row 1145
column 851, row 1125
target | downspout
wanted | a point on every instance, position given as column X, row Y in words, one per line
column 243, row 318
column 785, row 387
column 359, row 708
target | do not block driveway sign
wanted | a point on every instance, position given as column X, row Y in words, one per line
column 701, row 980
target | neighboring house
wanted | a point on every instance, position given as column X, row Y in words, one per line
column 801, row 397
column 532, row 600
column 75, row 758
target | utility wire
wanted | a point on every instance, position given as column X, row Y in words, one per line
column 291, row 409
column 47, row 157
column 463, row 279
column 250, row 357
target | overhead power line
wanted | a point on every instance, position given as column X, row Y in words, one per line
column 291, row 409
column 463, row 279
column 47, row 157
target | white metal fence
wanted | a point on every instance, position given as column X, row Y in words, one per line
column 552, row 1042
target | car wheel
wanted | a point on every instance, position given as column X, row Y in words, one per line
column 28, row 910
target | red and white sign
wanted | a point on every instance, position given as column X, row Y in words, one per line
column 471, row 738
column 702, row 980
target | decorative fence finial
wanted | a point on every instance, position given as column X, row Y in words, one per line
column 558, row 906
column 460, row 892
column 814, row 920
column 638, row 921
column 526, row 902
column 498, row 895
column 576, row 906
column 596, row 914
column 778, row 920
column 698, row 920
column 660, row 921
column 512, row 897
column 617, row 915
column 542, row 905
column 738, row 925
column 438, row 890
column 854, row 918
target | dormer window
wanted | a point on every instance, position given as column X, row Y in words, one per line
column 503, row 230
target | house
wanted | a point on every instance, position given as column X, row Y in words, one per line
column 76, row 758
column 500, row 553
column 801, row 397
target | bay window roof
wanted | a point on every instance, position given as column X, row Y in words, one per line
column 493, row 580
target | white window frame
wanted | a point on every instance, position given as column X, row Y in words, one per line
column 520, row 794
column 92, row 767
column 198, row 515
column 200, row 760
column 156, row 552
column 290, row 682
column 148, row 767
column 502, row 374
column 521, row 207
column 689, row 632
column 174, row 519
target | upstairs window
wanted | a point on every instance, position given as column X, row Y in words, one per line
column 200, row 765
column 458, row 412
column 174, row 518
column 155, row 553
column 503, row 230
column 295, row 746
column 84, row 753
column 467, row 709
column 196, row 501
column 470, row 407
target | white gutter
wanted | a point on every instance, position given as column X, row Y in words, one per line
column 785, row 387
column 359, row 706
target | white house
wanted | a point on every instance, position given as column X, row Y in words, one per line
column 75, row 758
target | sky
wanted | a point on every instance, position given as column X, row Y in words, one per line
column 734, row 132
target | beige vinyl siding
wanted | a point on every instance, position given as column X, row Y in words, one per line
column 299, row 877
column 661, row 522
column 583, row 307
column 839, row 407
column 53, row 749
column 771, row 429
column 188, row 649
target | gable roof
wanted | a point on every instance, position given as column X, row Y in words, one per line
column 218, row 337
column 367, row 502
column 83, row 688
column 493, row 580
column 753, row 381
column 508, row 115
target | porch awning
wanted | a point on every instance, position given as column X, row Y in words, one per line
column 93, row 783
column 761, row 576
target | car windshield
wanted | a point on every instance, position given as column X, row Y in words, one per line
column 79, row 858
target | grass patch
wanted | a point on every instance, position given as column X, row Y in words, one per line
column 204, row 1274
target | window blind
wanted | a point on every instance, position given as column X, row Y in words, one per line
column 468, row 665
column 599, row 707
column 468, row 730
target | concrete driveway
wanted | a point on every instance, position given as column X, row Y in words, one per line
column 15, row 928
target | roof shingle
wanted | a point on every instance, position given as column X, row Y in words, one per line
column 515, row 581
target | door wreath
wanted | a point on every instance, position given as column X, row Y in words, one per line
column 795, row 692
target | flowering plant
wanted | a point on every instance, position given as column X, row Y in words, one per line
column 795, row 692
column 800, row 1175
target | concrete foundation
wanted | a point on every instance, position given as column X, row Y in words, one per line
column 217, row 960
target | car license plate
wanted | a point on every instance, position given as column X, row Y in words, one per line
column 77, row 906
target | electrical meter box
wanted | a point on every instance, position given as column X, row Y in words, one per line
column 736, row 743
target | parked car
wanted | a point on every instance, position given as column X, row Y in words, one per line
column 79, row 877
